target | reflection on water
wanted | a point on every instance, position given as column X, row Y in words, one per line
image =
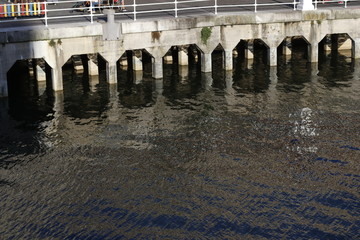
column 257, row 153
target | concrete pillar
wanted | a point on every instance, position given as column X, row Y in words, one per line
column 56, row 60
column 228, row 59
column 305, row 5
column 40, row 74
column 285, row 48
column 57, row 78
column 157, row 67
column 111, row 72
column 249, row 50
column 313, row 52
column 183, row 58
column 206, row 62
column 93, row 69
column 272, row 56
column 207, row 80
column 168, row 59
column 355, row 51
column 137, row 60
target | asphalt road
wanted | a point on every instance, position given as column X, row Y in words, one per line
column 154, row 9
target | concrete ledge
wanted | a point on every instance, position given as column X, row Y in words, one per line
column 77, row 30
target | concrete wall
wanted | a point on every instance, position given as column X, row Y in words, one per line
column 57, row 44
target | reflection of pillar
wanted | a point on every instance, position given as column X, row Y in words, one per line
column 355, row 50
column 228, row 59
column 183, row 72
column 183, row 58
column 272, row 56
column 313, row 52
column 93, row 81
column 314, row 68
column 206, row 62
column 137, row 60
column 159, row 87
column 157, row 67
column 207, row 80
column 138, row 76
column 272, row 92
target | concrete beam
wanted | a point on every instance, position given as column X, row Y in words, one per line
column 228, row 59
column 206, row 62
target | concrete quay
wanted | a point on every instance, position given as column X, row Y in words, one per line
column 111, row 39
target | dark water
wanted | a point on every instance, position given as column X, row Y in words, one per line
column 260, row 153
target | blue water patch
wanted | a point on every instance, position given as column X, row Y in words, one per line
column 331, row 160
column 350, row 147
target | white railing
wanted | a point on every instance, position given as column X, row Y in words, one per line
column 65, row 11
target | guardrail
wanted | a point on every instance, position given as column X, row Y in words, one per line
column 92, row 9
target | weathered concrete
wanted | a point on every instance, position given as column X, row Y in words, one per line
column 56, row 44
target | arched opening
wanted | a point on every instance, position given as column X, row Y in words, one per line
column 335, row 44
column 29, row 89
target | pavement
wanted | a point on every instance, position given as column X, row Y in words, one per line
column 154, row 9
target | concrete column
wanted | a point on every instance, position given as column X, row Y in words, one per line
column 56, row 60
column 285, row 48
column 57, row 78
column 305, row 5
column 183, row 58
column 228, row 59
column 93, row 69
column 40, row 74
column 249, row 48
column 137, row 60
column 355, row 50
column 157, row 67
column 272, row 56
column 313, row 52
column 111, row 72
column 206, row 62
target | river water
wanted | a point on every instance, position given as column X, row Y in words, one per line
column 257, row 153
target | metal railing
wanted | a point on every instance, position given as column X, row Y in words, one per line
column 65, row 11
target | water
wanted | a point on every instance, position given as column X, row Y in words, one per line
column 262, row 153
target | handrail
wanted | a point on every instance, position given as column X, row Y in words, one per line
column 70, row 9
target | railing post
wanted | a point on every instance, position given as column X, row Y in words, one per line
column 176, row 14
column 91, row 11
column 255, row 5
column 216, row 6
column 345, row 5
column 45, row 10
column 316, row 2
column 295, row 4
column 134, row 10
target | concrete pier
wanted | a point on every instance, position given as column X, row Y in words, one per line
column 111, row 39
